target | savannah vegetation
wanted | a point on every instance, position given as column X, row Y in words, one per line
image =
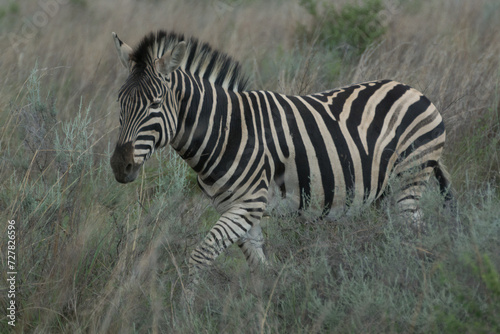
column 95, row 256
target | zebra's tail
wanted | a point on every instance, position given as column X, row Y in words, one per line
column 443, row 178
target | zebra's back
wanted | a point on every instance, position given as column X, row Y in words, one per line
column 343, row 144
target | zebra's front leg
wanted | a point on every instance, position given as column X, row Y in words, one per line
column 231, row 227
column 251, row 244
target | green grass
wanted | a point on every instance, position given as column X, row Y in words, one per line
column 95, row 256
column 351, row 27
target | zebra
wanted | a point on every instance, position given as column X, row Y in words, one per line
column 325, row 152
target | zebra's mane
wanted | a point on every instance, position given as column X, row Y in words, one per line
column 200, row 60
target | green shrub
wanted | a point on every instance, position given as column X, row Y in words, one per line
column 74, row 145
column 352, row 27
column 476, row 292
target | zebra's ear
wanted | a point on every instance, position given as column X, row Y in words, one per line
column 124, row 51
column 171, row 61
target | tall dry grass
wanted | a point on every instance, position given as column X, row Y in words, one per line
column 75, row 51
column 95, row 256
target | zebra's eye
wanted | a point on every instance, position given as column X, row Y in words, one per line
column 155, row 105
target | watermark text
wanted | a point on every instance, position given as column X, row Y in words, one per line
column 11, row 272
column 32, row 24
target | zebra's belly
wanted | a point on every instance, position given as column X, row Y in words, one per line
column 324, row 198
column 288, row 204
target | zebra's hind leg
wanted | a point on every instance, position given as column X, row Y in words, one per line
column 443, row 178
column 408, row 197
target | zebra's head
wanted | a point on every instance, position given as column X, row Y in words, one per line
column 148, row 107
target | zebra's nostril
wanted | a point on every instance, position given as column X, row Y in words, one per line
column 128, row 168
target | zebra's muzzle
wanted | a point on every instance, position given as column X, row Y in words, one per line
column 123, row 164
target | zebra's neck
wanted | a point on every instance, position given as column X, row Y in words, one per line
column 213, row 123
column 204, row 119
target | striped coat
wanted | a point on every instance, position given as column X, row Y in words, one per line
column 324, row 152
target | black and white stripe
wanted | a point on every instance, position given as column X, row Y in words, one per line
column 323, row 152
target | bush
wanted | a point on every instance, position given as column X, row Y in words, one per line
column 352, row 27
column 477, row 292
